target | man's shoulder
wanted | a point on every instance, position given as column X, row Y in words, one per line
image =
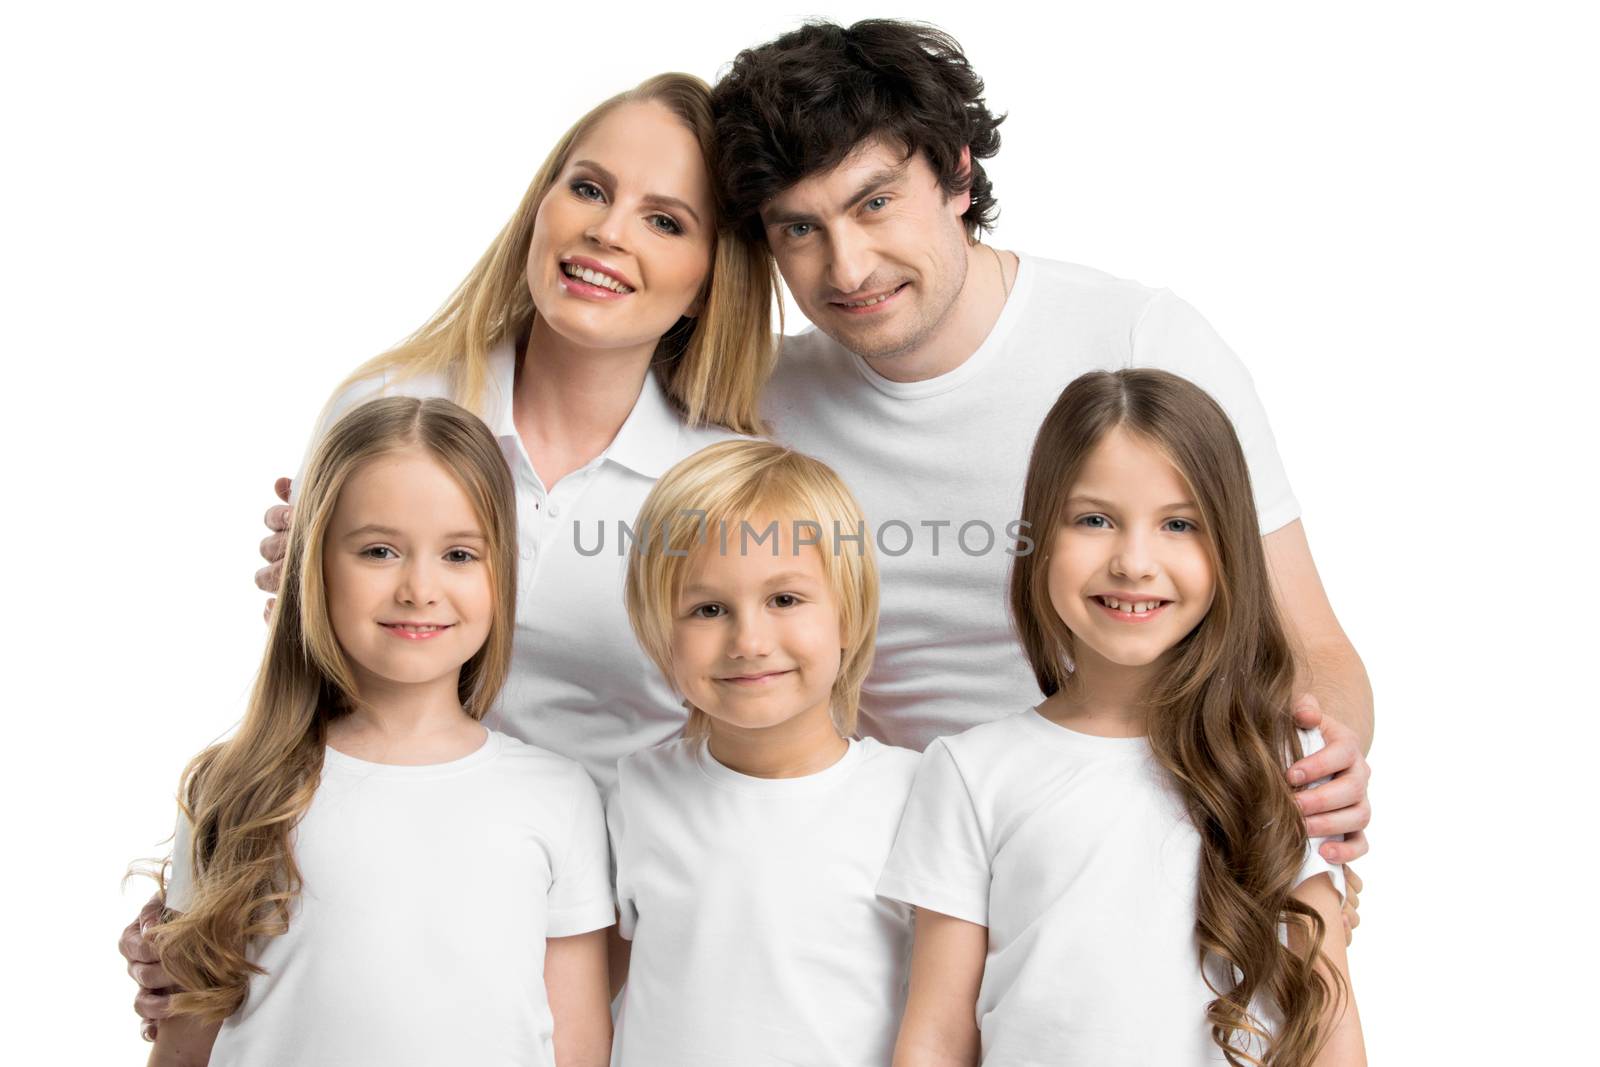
column 1059, row 286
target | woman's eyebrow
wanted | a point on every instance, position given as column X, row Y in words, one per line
column 653, row 199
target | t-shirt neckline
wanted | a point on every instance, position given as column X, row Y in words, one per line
column 728, row 778
column 334, row 760
column 1016, row 302
column 1060, row 734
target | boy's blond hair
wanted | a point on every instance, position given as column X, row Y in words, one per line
column 706, row 503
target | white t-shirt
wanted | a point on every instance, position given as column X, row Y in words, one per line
column 954, row 450
column 1076, row 852
column 419, row 934
column 757, row 936
column 579, row 683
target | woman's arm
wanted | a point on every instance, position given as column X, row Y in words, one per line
column 940, row 1028
column 183, row 1041
column 575, row 981
column 619, row 953
column 1345, row 1047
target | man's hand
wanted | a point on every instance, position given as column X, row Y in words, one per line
column 1338, row 806
column 154, row 1000
column 278, row 516
column 1352, row 903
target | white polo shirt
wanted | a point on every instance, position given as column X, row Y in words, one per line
column 579, row 685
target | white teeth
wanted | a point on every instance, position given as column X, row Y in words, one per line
column 868, row 303
column 1136, row 607
column 594, row 277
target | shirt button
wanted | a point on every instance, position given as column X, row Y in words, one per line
column 555, row 509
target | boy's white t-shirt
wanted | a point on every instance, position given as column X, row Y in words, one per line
column 419, row 934
column 1077, row 854
column 758, row 938
column 954, row 450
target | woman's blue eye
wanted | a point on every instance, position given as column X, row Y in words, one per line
column 588, row 190
column 1095, row 522
column 1180, row 526
column 665, row 223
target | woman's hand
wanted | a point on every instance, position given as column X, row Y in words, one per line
column 154, row 999
column 274, row 545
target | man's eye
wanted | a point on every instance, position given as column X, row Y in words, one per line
column 797, row 229
column 588, row 190
column 877, row 203
column 665, row 223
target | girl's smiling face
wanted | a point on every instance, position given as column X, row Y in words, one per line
column 622, row 243
column 1130, row 571
column 755, row 634
column 409, row 594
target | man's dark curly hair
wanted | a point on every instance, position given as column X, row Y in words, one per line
column 800, row 104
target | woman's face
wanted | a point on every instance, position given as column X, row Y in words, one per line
column 622, row 243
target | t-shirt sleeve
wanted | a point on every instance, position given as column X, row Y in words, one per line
column 627, row 913
column 939, row 861
column 580, row 891
column 1311, row 741
column 1172, row 336
column 180, row 876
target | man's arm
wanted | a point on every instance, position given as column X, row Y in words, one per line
column 1331, row 692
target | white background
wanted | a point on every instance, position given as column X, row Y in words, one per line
column 211, row 214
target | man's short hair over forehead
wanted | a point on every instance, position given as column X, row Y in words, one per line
column 800, row 104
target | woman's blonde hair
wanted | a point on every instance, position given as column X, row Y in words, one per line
column 705, row 503
column 1218, row 712
column 712, row 365
column 244, row 797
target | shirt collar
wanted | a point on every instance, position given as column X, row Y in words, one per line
column 647, row 443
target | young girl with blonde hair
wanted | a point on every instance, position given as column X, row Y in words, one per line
column 746, row 853
column 1121, row 875
column 363, row 874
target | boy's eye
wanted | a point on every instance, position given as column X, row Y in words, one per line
column 785, row 600
column 707, row 611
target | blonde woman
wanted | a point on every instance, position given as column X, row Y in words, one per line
column 362, row 801
column 614, row 327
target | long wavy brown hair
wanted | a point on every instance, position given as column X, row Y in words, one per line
column 244, row 797
column 1218, row 710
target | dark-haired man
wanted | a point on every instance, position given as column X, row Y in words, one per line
column 857, row 154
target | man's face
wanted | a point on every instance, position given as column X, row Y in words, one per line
column 872, row 250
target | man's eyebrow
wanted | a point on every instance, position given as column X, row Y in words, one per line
column 652, row 199
column 874, row 182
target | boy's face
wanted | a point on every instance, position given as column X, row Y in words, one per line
column 755, row 633
column 872, row 250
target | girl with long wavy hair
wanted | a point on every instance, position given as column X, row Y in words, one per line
column 1120, row 875
column 363, row 874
